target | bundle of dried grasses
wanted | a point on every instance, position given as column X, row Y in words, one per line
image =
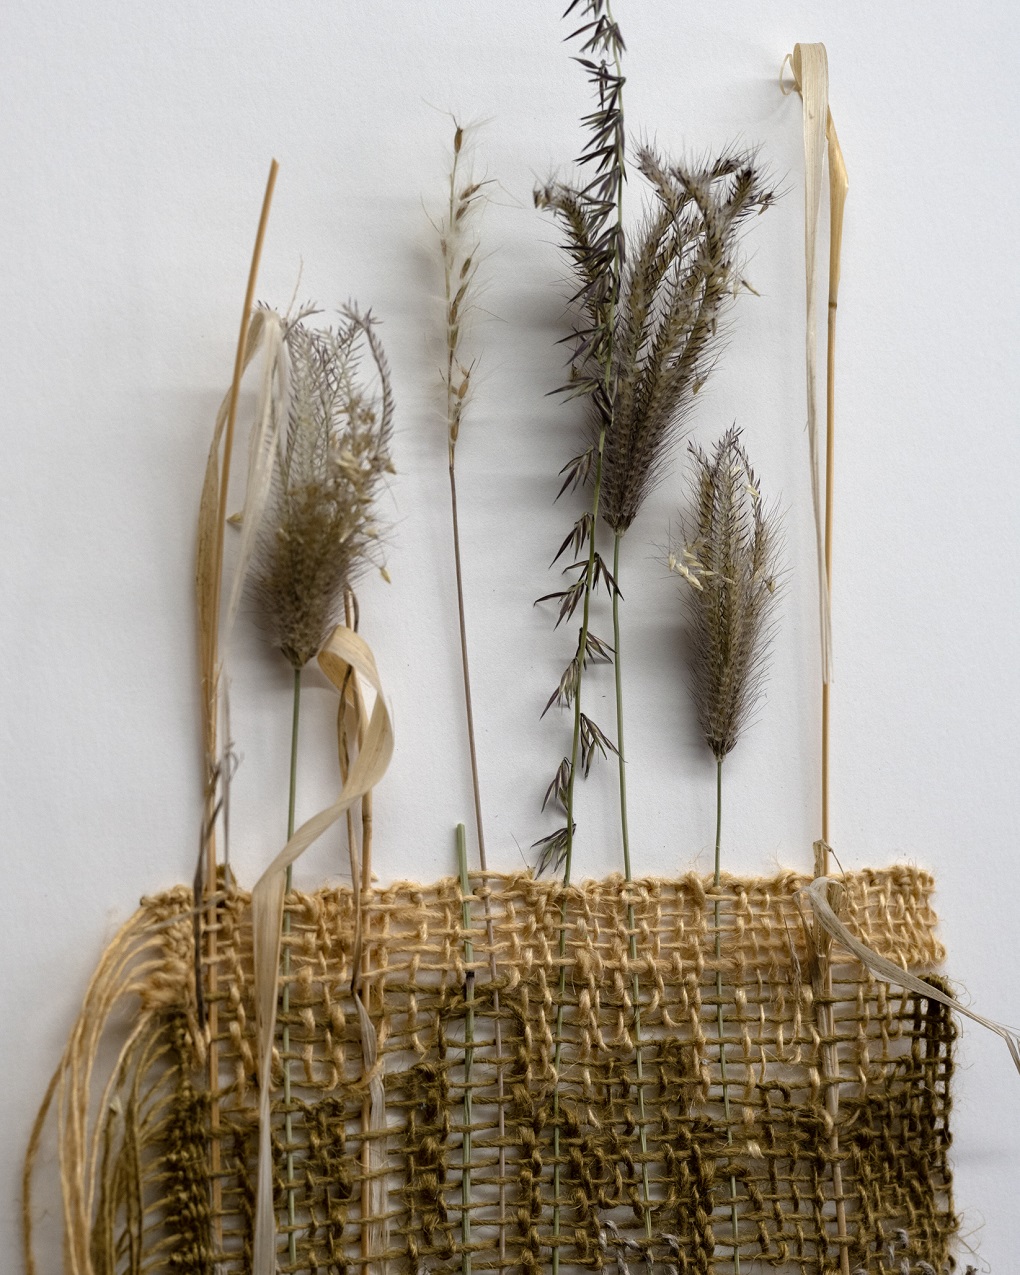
column 730, row 562
column 647, row 334
column 645, row 337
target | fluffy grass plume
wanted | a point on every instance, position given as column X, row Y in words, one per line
column 319, row 534
column 731, row 566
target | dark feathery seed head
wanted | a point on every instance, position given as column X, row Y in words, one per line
column 649, row 311
column 730, row 563
column 683, row 271
column 318, row 534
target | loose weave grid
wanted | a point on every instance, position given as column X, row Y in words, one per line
column 894, row 1054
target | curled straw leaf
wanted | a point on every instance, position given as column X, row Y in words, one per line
column 344, row 651
column 731, row 564
column 816, row 894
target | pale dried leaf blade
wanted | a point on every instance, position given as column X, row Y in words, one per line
column 811, row 71
column 839, row 184
column 261, row 453
column 344, row 650
column 816, row 894
column 208, row 566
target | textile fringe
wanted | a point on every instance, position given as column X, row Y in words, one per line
column 137, row 1192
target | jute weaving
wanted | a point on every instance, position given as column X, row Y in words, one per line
column 139, row 1189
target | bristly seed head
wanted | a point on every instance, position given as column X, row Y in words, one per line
column 318, row 534
column 730, row 565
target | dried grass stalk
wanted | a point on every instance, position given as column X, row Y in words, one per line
column 208, row 588
column 731, row 563
column 459, row 249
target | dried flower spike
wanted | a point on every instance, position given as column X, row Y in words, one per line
column 730, row 564
column 319, row 533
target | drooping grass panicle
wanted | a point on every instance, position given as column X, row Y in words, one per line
column 730, row 562
column 590, row 215
column 319, row 533
column 683, row 269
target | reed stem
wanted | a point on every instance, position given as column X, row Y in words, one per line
column 469, row 1042
column 631, row 931
column 719, row 1008
column 288, row 1126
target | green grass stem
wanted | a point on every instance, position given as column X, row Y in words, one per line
column 469, row 1041
column 719, row 1010
column 288, row 1125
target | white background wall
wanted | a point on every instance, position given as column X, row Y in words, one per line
column 134, row 144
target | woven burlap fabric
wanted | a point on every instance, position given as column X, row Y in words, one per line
column 893, row 1051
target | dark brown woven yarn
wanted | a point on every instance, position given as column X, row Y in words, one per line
column 894, row 1051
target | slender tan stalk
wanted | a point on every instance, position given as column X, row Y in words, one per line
column 210, row 585
column 810, row 68
column 469, row 1043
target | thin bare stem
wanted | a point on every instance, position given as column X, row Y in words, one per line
column 719, row 1008
column 466, row 671
column 631, row 929
column 288, row 1126
column 830, row 475
column 489, row 930
column 469, row 1042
